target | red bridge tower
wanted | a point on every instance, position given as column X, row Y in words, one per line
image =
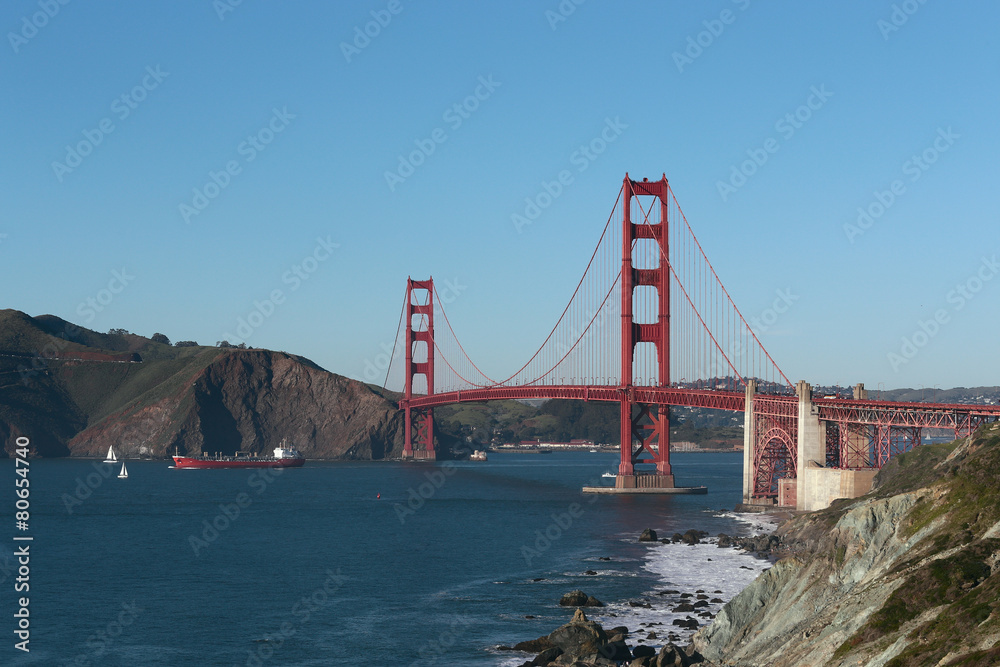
column 645, row 427
column 419, row 421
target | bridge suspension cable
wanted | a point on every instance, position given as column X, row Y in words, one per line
column 711, row 344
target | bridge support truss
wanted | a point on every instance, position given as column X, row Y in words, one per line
column 418, row 442
column 645, row 427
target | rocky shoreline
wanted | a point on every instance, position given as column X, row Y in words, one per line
column 586, row 642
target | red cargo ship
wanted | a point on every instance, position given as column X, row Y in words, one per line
column 284, row 457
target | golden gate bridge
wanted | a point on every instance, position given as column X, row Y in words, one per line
column 650, row 325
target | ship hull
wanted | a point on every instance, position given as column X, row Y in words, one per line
column 194, row 462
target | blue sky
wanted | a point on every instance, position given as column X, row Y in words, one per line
column 309, row 128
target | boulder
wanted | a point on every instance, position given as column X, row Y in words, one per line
column 683, row 607
column 546, row 656
column 643, row 652
column 534, row 645
column 573, row 599
column 672, row 656
column 648, row 535
column 579, row 639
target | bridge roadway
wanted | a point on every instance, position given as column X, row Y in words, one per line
column 917, row 415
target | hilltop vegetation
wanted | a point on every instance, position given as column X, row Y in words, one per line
column 497, row 422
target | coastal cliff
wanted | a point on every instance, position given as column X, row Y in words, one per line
column 908, row 575
column 76, row 392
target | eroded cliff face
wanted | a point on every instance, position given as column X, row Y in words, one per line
column 249, row 400
column 906, row 575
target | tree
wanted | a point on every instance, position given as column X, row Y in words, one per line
column 118, row 332
column 185, row 343
column 223, row 343
column 160, row 338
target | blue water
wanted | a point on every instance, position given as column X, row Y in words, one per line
column 325, row 569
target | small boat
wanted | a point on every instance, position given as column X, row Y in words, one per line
column 593, row 451
column 478, row 455
column 111, row 458
column 124, row 473
column 609, row 474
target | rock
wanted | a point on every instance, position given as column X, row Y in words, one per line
column 716, row 601
column 693, row 536
column 725, row 541
column 546, row 656
column 590, row 573
column 579, row 639
column 648, row 535
column 539, row 579
column 616, row 651
column 700, row 603
column 651, row 635
column 683, row 607
column 534, row 645
column 643, row 652
column 604, row 558
column 618, row 630
column 701, row 595
column 593, row 602
column 573, row 599
column 639, row 603
column 673, row 656
column 579, row 617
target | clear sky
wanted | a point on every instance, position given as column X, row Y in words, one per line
column 178, row 160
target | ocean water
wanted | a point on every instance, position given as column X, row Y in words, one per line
column 353, row 563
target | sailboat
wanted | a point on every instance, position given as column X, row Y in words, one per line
column 124, row 473
column 111, row 458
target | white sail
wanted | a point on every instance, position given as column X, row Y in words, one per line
column 124, row 473
column 111, row 458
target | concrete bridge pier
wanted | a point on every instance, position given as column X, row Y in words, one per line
column 816, row 485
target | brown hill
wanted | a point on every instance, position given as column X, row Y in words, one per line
column 76, row 392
